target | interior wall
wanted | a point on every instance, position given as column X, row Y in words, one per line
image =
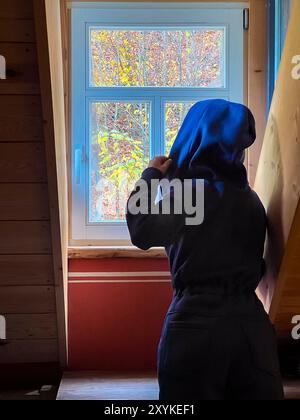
column 27, row 271
column 116, row 311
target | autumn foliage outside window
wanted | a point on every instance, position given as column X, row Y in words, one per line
column 121, row 131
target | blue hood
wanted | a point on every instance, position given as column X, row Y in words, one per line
column 212, row 141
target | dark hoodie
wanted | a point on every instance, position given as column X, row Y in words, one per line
column 225, row 252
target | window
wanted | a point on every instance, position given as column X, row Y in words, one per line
column 137, row 68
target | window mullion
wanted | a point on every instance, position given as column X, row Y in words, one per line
column 156, row 129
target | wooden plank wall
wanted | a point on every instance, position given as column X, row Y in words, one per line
column 27, row 287
column 278, row 184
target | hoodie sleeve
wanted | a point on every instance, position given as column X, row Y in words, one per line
column 155, row 228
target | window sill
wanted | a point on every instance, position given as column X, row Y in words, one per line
column 89, row 252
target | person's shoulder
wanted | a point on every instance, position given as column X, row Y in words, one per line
column 247, row 193
column 255, row 203
column 255, row 196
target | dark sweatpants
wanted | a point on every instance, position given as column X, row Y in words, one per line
column 218, row 354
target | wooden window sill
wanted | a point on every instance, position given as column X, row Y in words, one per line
column 85, row 252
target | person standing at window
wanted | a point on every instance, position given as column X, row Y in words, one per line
column 217, row 341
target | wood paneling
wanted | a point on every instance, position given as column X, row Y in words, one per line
column 21, row 62
column 27, row 299
column 24, row 202
column 23, row 106
column 22, row 69
column 27, row 291
column 12, row 30
column 17, row 270
column 22, row 162
column 278, row 184
column 29, row 351
column 16, row 9
column 25, row 237
column 15, row 87
column 31, row 327
column 20, row 118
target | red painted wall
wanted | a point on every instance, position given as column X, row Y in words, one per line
column 116, row 312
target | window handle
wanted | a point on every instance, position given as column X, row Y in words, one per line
column 78, row 161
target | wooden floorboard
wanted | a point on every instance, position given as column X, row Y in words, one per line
column 102, row 386
column 97, row 386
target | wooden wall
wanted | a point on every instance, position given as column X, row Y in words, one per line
column 278, row 184
column 27, row 279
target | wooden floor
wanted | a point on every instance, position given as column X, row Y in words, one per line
column 99, row 386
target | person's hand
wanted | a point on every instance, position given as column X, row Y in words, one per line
column 161, row 162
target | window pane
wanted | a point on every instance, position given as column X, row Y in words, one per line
column 157, row 58
column 119, row 151
column 175, row 113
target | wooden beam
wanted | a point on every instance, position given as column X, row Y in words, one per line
column 90, row 252
column 278, row 184
column 257, row 79
column 49, row 47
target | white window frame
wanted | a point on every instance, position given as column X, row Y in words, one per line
column 174, row 15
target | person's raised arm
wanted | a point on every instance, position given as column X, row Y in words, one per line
column 147, row 224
